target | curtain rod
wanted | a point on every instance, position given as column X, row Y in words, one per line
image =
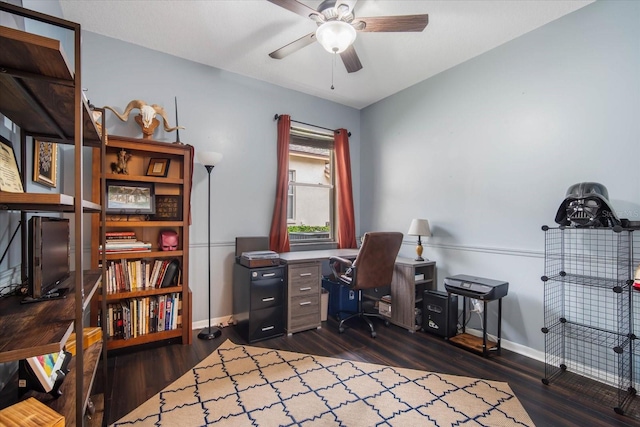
column 276, row 117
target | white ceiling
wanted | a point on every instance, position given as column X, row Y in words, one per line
column 238, row 35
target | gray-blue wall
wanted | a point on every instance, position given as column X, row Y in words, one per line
column 487, row 149
column 223, row 112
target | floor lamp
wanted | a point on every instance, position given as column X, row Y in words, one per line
column 209, row 159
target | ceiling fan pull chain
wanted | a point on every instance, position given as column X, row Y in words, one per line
column 333, row 67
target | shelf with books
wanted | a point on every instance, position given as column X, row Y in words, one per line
column 132, row 240
column 133, row 318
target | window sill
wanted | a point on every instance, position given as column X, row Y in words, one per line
column 297, row 247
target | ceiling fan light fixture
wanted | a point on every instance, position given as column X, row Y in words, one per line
column 335, row 36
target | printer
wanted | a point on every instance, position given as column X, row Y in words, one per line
column 476, row 287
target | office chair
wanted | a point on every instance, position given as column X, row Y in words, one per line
column 372, row 268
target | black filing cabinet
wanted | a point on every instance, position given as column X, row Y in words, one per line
column 258, row 301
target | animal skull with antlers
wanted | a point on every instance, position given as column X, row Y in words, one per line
column 146, row 119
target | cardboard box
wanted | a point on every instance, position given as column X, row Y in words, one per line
column 384, row 306
column 90, row 336
column 30, row 413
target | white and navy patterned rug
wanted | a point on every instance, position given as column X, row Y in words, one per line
column 249, row 386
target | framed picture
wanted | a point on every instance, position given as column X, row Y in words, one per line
column 130, row 198
column 158, row 167
column 168, row 208
column 10, row 179
column 45, row 163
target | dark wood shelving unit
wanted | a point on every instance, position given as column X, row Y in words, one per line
column 42, row 95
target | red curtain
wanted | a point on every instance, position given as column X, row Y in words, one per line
column 346, row 215
column 279, row 237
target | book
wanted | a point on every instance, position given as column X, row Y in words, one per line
column 111, row 234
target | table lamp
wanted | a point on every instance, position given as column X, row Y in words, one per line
column 419, row 227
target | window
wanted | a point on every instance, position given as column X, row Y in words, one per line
column 310, row 208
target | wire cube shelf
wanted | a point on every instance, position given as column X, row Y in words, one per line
column 588, row 311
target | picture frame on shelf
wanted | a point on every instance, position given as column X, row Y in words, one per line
column 10, row 178
column 158, row 167
column 45, row 163
column 130, row 198
column 168, row 208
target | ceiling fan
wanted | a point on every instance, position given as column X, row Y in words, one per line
column 337, row 27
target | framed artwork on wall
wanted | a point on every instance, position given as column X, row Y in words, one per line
column 45, row 163
column 10, row 178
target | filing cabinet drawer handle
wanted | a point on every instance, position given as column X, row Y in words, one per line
column 268, row 274
column 305, row 303
column 268, row 299
column 268, row 328
column 308, row 288
column 305, row 274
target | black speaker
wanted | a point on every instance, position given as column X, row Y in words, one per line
column 436, row 307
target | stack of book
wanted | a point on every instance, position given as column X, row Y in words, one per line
column 123, row 242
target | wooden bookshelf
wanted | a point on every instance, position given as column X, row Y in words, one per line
column 177, row 182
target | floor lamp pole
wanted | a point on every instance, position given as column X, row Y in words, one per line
column 210, row 332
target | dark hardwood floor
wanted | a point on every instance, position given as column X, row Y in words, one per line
column 135, row 376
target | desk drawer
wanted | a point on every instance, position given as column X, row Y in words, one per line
column 266, row 323
column 304, row 305
column 303, row 323
column 266, row 293
column 304, row 280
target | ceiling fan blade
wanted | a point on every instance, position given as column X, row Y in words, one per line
column 293, row 46
column 400, row 23
column 350, row 59
column 295, row 7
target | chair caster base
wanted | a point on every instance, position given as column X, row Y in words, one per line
column 341, row 330
column 373, row 334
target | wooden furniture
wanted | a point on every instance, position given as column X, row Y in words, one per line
column 304, row 284
column 482, row 344
column 410, row 279
column 43, row 96
column 258, row 301
column 172, row 193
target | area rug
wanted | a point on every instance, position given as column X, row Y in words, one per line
column 240, row 385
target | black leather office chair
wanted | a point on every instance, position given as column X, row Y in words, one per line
column 372, row 268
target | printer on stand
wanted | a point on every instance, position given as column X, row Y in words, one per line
column 484, row 290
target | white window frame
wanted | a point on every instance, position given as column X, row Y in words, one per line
column 317, row 138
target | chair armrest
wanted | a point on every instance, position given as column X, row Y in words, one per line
column 348, row 276
column 342, row 261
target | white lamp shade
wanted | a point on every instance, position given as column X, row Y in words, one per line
column 419, row 227
column 208, row 158
column 336, row 36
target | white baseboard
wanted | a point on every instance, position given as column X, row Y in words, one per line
column 220, row 322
